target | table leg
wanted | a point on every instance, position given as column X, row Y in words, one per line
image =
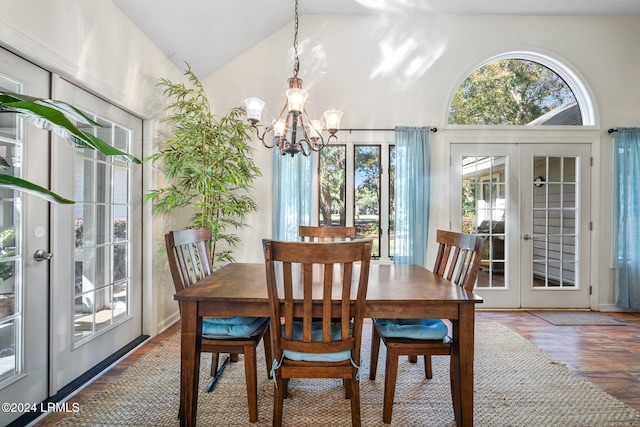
column 190, row 344
column 462, row 365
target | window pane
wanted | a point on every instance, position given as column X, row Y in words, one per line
column 514, row 92
column 8, row 340
column 332, row 182
column 9, row 125
column 367, row 194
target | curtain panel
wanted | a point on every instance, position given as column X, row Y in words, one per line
column 292, row 180
column 411, row 197
column 627, row 215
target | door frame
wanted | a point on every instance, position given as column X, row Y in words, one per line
column 471, row 134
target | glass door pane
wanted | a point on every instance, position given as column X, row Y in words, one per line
column 554, row 222
column 484, row 189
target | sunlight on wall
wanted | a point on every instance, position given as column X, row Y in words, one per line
column 408, row 56
column 390, row 6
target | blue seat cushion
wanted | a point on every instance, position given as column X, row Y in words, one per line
column 231, row 327
column 417, row 329
column 316, row 335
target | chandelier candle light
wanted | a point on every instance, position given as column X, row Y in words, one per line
column 293, row 129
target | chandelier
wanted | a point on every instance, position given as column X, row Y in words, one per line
column 293, row 131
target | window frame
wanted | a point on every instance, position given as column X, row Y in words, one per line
column 384, row 143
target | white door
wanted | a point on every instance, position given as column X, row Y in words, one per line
column 531, row 202
column 24, row 229
column 555, row 225
column 96, row 303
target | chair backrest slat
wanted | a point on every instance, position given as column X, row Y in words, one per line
column 458, row 257
column 326, row 234
column 188, row 255
column 311, row 274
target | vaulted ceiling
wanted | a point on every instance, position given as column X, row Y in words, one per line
column 210, row 33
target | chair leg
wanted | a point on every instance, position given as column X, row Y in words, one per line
column 347, row 389
column 428, row 371
column 354, row 386
column 215, row 358
column 390, row 384
column 251, row 376
column 375, row 349
column 413, row 359
column 285, row 388
column 278, row 401
column 268, row 356
column 233, row 357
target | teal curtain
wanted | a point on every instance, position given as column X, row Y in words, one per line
column 411, row 195
column 627, row 217
column 292, row 178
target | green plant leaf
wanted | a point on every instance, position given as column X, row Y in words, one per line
column 53, row 116
column 107, row 149
column 67, row 109
column 15, row 183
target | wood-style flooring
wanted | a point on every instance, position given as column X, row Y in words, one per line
column 608, row 356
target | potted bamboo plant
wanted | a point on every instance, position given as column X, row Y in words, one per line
column 208, row 166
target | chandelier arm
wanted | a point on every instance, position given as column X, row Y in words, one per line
column 303, row 151
column 284, row 108
column 264, row 133
column 307, row 139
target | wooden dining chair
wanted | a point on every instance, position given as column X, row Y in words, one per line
column 310, row 233
column 317, row 332
column 458, row 260
column 189, row 261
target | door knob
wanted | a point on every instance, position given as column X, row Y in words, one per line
column 42, row 255
column 526, row 237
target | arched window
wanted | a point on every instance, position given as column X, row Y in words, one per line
column 514, row 91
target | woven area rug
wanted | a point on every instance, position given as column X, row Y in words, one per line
column 576, row 318
column 516, row 384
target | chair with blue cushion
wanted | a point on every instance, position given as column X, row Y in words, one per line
column 458, row 260
column 189, row 261
column 316, row 330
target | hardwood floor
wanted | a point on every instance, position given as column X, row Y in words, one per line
column 608, row 356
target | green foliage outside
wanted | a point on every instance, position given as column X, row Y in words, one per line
column 208, row 166
column 367, row 165
column 508, row 92
column 332, row 185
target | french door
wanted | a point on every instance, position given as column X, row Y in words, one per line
column 62, row 315
column 531, row 203
column 96, row 302
column 24, row 229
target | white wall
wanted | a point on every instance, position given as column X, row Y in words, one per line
column 92, row 44
column 388, row 71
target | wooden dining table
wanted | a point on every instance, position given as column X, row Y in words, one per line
column 398, row 291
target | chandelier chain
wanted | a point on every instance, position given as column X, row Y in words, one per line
column 296, row 65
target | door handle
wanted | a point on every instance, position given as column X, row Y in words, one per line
column 526, row 237
column 42, row 255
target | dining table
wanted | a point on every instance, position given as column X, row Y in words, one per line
column 394, row 291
